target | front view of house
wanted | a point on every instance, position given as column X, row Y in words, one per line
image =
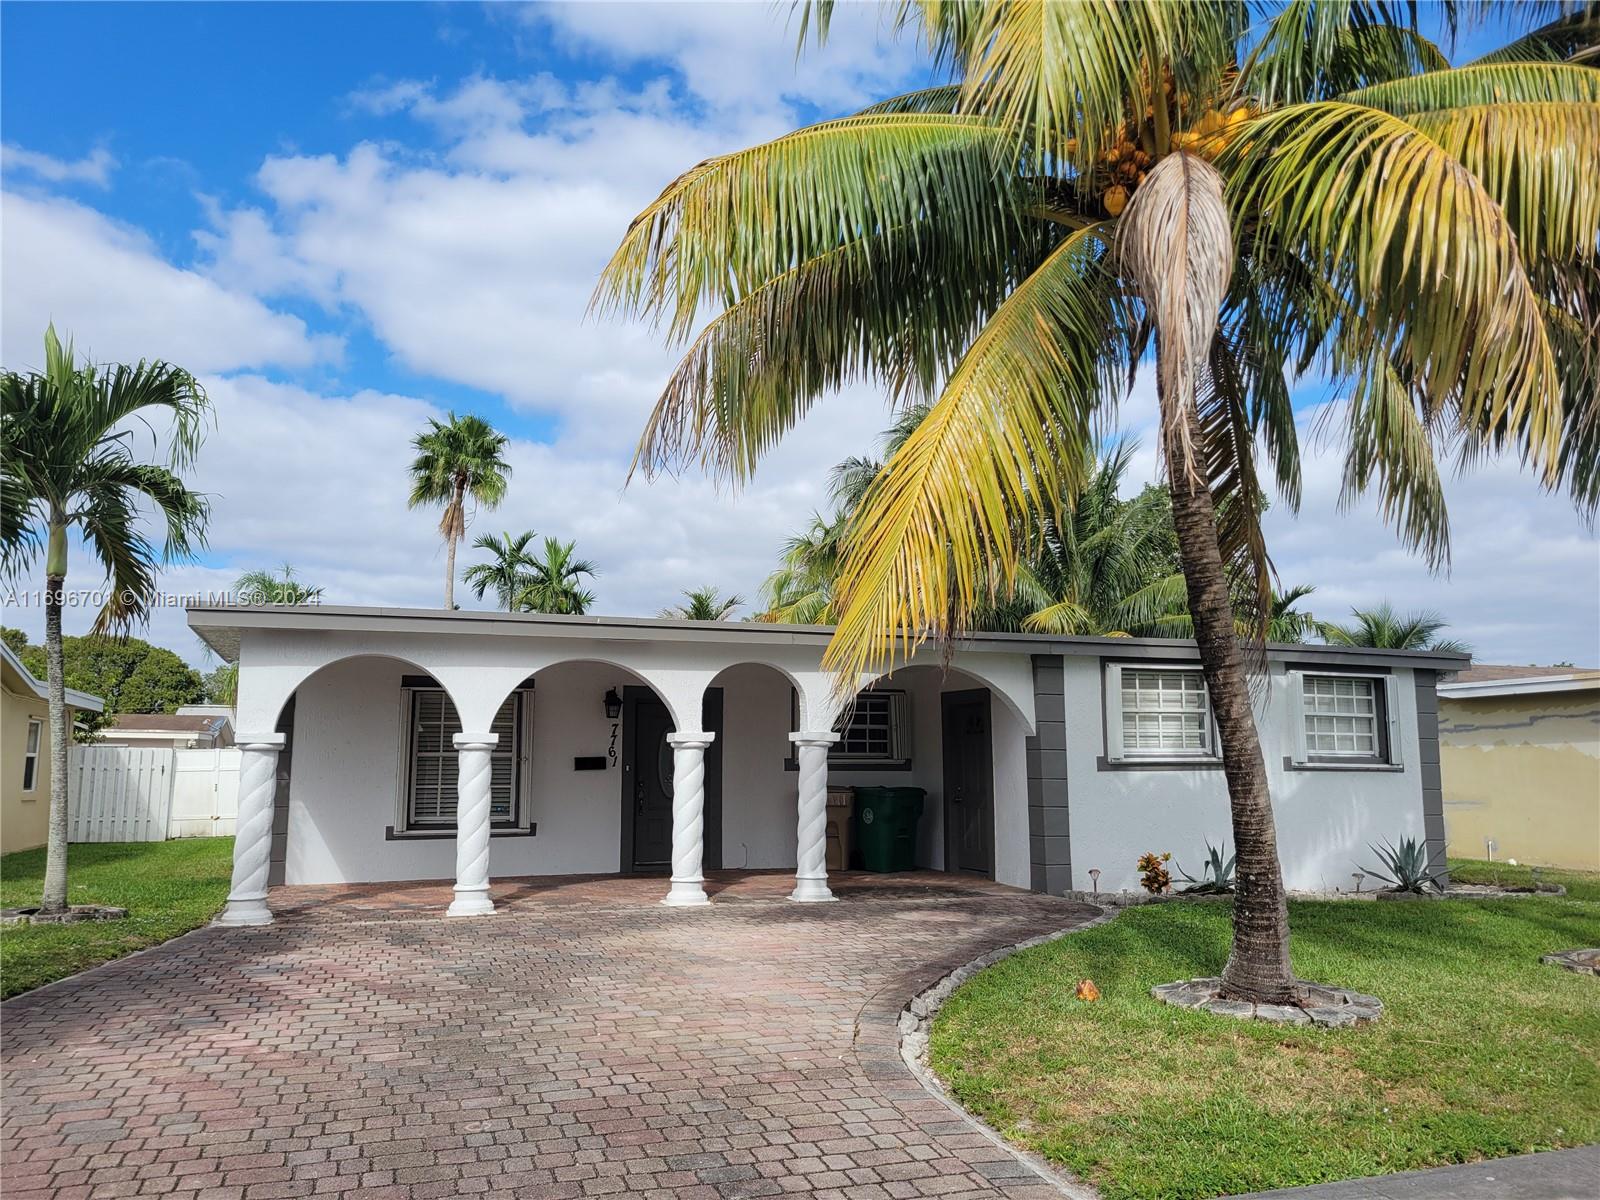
column 408, row 744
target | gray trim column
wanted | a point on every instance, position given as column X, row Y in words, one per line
column 1428, row 763
column 1049, row 830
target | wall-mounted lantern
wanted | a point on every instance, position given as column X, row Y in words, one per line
column 613, row 704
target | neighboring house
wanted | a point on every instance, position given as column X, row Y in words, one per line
column 1521, row 759
column 25, row 751
column 400, row 744
column 186, row 729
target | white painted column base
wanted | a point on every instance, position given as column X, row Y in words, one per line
column 245, row 912
column 473, row 802
column 252, row 838
column 811, row 843
column 688, row 819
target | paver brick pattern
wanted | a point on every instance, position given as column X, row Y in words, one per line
column 584, row 1041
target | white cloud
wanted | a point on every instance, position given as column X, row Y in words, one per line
column 93, row 168
column 108, row 286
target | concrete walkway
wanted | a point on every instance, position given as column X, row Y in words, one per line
column 583, row 1041
column 1556, row 1175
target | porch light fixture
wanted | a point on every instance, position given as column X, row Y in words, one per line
column 613, row 704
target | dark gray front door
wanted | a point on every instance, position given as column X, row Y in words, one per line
column 968, row 783
column 647, row 784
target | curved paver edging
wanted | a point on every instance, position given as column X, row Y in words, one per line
column 916, row 1019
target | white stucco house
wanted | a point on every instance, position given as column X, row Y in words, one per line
column 405, row 744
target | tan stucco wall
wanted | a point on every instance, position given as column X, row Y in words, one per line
column 1524, row 771
column 24, row 816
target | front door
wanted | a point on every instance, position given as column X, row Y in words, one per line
column 968, row 783
column 647, row 785
column 647, row 782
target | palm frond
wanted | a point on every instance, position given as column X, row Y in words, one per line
column 1497, row 83
column 1006, row 436
column 1064, row 73
column 1420, row 255
column 1313, row 49
column 1570, row 34
column 737, row 222
column 896, row 309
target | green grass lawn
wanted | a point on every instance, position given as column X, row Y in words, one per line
column 1483, row 1050
column 168, row 888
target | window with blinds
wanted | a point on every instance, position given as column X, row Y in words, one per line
column 1158, row 713
column 435, row 765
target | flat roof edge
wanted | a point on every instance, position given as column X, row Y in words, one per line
column 225, row 620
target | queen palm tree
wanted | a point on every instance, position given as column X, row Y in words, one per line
column 458, row 459
column 506, row 575
column 275, row 587
column 553, row 578
column 1319, row 193
column 1385, row 629
column 69, row 464
column 703, row 604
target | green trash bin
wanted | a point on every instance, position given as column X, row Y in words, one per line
column 886, row 827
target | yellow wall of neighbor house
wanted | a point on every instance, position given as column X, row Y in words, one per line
column 24, row 816
column 1525, row 772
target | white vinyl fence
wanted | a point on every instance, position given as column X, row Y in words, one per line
column 150, row 794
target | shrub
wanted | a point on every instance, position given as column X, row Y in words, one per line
column 1216, row 876
column 1405, row 867
column 1153, row 875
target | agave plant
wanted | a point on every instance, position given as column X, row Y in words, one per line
column 1216, row 876
column 1405, row 867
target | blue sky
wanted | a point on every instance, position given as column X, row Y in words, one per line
column 349, row 217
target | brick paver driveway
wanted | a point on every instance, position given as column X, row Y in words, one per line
column 583, row 1041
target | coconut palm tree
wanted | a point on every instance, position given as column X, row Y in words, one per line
column 1385, row 629
column 552, row 582
column 273, row 587
column 70, row 464
column 703, row 604
column 458, row 459
column 507, row 574
column 1320, row 192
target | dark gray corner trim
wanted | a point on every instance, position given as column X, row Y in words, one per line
column 1432, row 782
column 1049, row 821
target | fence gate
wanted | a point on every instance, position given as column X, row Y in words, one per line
column 205, row 793
column 118, row 793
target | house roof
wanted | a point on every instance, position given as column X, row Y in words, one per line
column 220, row 627
column 1496, row 679
column 167, row 723
column 20, row 679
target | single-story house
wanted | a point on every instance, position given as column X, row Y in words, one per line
column 412, row 744
column 1520, row 750
column 25, row 751
column 185, row 729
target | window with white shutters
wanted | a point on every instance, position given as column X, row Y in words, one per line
column 435, row 762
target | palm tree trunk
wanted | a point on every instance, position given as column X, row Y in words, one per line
column 1258, row 964
column 54, row 898
column 449, row 573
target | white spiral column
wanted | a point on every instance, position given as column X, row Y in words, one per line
column 688, row 817
column 252, row 831
column 475, row 752
column 811, row 847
